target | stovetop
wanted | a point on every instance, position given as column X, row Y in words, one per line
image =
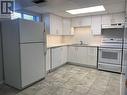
column 111, row 43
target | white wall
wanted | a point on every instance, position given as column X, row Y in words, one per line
column 82, row 34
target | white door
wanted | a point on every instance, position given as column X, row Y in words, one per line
column 31, row 31
column 76, row 22
column 72, row 54
column 56, row 57
column 92, row 56
column 106, row 19
column 96, row 25
column 64, row 54
column 66, row 27
column 59, row 25
column 32, row 63
column 48, row 60
column 118, row 18
column 82, row 55
column 52, row 24
column 86, row 21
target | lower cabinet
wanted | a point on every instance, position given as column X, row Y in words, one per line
column 59, row 56
column 72, row 54
column 48, row 60
column 92, row 56
column 56, row 57
column 83, row 55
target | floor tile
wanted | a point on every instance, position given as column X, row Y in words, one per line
column 72, row 80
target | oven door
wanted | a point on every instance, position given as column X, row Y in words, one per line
column 109, row 55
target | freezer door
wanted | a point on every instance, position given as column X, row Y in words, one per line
column 32, row 63
column 31, row 31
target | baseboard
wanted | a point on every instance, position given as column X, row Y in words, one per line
column 82, row 65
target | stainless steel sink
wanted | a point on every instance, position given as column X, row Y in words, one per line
column 80, row 45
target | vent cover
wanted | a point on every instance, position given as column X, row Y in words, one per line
column 39, row 1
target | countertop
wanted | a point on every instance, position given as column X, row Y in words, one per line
column 71, row 44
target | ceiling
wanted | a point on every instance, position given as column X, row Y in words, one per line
column 59, row 7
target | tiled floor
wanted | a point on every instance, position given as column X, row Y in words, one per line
column 74, row 80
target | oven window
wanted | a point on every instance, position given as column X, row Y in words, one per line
column 109, row 55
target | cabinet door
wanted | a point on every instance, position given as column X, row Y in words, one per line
column 76, row 22
column 81, row 21
column 96, row 25
column 53, row 24
column 92, row 56
column 56, row 57
column 59, row 25
column 32, row 63
column 117, row 18
column 66, row 27
column 82, row 55
column 72, row 54
column 48, row 60
column 64, row 54
column 31, row 31
column 86, row 21
column 106, row 19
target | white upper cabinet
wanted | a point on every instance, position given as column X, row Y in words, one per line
column 81, row 21
column 59, row 25
column 53, row 24
column 117, row 18
column 67, row 27
column 86, row 21
column 106, row 19
column 113, row 18
column 96, row 25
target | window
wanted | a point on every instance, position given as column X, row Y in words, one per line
column 28, row 17
column 37, row 18
column 16, row 15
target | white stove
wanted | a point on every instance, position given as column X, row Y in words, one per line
column 110, row 54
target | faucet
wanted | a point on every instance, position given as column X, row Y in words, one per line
column 81, row 42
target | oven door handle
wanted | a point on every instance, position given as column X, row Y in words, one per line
column 110, row 49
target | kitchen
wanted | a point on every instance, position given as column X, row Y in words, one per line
column 82, row 54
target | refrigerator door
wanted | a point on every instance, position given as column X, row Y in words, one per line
column 32, row 63
column 124, row 64
column 31, row 31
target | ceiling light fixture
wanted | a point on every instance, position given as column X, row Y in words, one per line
column 87, row 10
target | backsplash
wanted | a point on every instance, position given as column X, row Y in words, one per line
column 82, row 34
column 52, row 39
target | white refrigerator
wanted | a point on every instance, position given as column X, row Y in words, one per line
column 24, row 49
column 124, row 64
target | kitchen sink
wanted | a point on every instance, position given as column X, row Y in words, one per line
column 80, row 45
